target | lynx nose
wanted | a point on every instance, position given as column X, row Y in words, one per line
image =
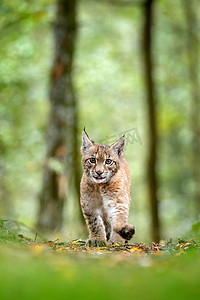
column 99, row 172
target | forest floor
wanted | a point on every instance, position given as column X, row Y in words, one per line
column 32, row 269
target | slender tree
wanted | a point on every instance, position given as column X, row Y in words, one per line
column 151, row 104
column 61, row 132
column 193, row 68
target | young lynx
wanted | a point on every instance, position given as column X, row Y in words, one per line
column 105, row 192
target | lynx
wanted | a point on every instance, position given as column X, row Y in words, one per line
column 105, row 192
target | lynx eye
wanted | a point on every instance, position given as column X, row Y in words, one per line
column 108, row 161
column 92, row 160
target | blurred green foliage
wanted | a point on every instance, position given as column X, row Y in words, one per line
column 30, row 273
column 31, row 270
column 109, row 85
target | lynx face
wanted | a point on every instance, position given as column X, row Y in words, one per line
column 101, row 162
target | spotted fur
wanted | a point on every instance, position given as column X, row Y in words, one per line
column 105, row 191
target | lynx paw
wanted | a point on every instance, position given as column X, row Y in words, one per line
column 127, row 232
column 95, row 243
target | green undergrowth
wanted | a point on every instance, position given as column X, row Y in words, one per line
column 36, row 269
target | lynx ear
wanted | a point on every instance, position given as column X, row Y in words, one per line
column 118, row 146
column 86, row 143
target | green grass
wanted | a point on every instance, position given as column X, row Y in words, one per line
column 34, row 272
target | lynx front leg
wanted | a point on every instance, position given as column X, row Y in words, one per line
column 97, row 235
column 120, row 227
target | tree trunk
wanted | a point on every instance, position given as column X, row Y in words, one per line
column 151, row 104
column 193, row 67
column 61, row 133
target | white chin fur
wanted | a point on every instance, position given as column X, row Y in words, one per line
column 99, row 180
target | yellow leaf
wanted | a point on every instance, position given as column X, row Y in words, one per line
column 37, row 248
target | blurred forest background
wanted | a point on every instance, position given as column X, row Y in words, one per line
column 115, row 67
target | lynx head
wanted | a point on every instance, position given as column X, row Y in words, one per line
column 101, row 162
